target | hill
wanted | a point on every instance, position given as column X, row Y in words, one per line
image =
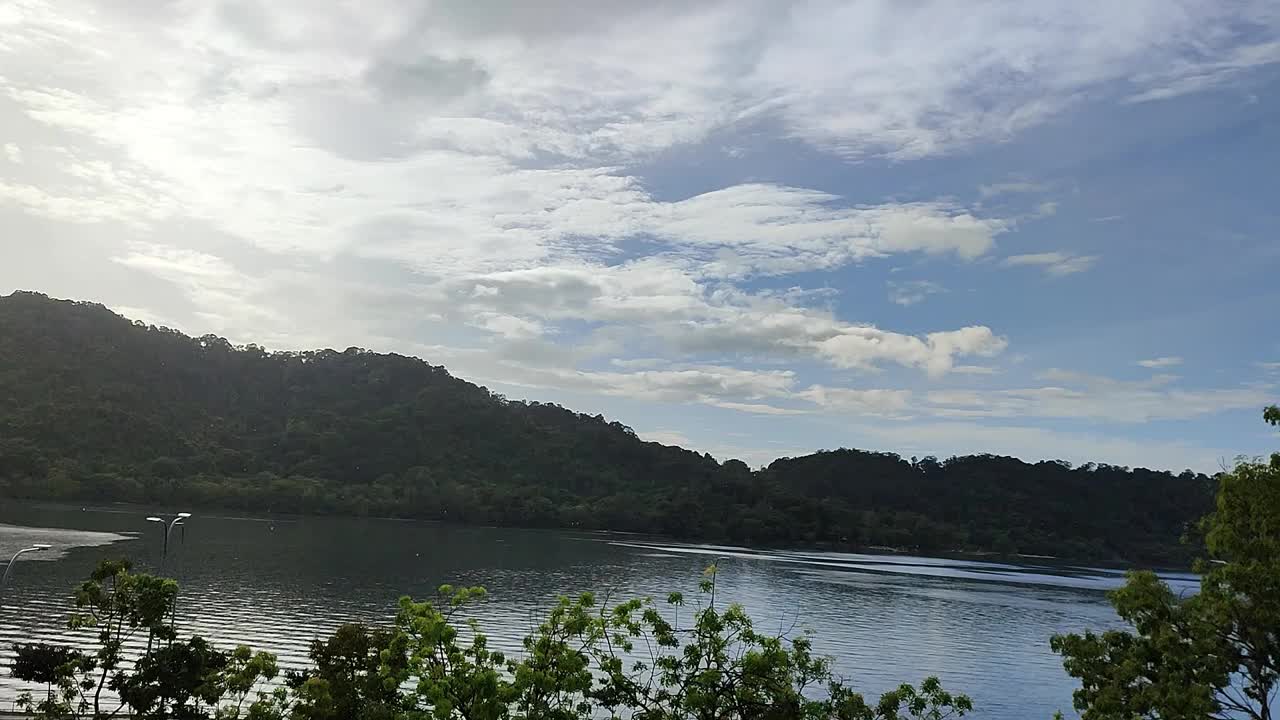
column 97, row 407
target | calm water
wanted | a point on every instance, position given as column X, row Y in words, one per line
column 277, row 584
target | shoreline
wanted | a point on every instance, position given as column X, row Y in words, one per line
column 223, row 513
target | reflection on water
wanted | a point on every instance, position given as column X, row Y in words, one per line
column 278, row 583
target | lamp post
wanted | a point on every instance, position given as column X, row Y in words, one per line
column 35, row 547
column 168, row 530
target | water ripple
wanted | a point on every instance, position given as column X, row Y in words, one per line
column 277, row 584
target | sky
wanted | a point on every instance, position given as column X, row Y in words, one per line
column 751, row 228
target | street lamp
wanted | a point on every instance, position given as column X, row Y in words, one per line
column 164, row 554
column 168, row 530
column 35, row 547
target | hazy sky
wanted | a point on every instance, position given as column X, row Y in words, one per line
column 1046, row 229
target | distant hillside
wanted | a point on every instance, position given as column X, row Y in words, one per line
column 96, row 407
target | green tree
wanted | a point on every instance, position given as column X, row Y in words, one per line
column 192, row 680
column 53, row 666
column 168, row 679
column 553, row 681
column 585, row 660
column 450, row 677
column 175, row 680
column 241, row 677
column 120, row 605
column 589, row 660
column 346, row 680
column 721, row 668
column 1214, row 654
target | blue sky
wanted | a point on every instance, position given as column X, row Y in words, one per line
column 753, row 228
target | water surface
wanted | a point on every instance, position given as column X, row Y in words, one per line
column 275, row 584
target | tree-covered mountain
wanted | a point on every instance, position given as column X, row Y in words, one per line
column 96, row 407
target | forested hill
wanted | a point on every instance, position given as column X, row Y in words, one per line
column 94, row 407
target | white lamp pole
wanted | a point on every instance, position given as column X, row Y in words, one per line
column 164, row 555
column 35, row 547
column 168, row 530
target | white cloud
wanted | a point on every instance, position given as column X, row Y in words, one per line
column 666, row 437
column 667, row 303
column 975, row 370
column 876, row 402
column 1063, row 395
column 700, row 382
column 1077, row 396
column 637, row 363
column 145, row 315
column 1056, row 264
column 911, row 292
column 802, row 332
column 224, row 297
column 755, row 408
column 1186, row 77
column 1033, row 443
column 714, row 385
column 641, row 306
column 748, row 229
column 1269, row 366
column 179, row 264
column 508, row 326
column 1160, row 362
column 920, row 79
column 612, row 82
column 1068, row 396
column 12, row 152
column 1013, row 186
column 67, row 208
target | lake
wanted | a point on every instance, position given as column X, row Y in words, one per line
column 276, row 584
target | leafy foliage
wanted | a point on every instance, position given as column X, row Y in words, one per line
column 241, row 677
column 95, row 407
column 169, row 679
column 120, row 605
column 53, row 666
column 1215, row 654
column 347, row 675
column 590, row 660
column 41, row 662
column 175, row 680
column 585, row 660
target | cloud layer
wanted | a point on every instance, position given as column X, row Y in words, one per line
column 467, row 180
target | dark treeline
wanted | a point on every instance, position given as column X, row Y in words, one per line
column 94, row 407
